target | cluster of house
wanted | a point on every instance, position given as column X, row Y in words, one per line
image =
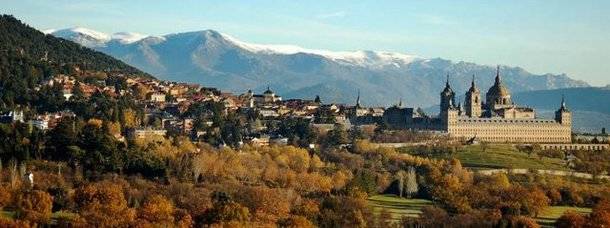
column 497, row 120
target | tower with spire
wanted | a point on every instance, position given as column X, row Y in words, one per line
column 449, row 112
column 563, row 115
column 358, row 110
column 447, row 97
column 472, row 102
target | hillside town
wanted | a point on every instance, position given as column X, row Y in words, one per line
column 171, row 108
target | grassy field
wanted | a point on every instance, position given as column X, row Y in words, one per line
column 501, row 156
column 398, row 207
column 7, row 214
column 551, row 214
column 55, row 216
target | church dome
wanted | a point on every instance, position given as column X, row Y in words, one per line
column 268, row 91
column 498, row 94
column 498, row 89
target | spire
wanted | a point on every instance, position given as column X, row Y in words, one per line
column 268, row 91
column 400, row 102
column 564, row 107
column 498, row 80
column 472, row 84
column 447, row 90
column 358, row 99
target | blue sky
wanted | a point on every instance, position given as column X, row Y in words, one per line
column 571, row 37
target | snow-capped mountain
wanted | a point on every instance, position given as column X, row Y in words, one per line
column 93, row 39
column 127, row 37
column 219, row 60
column 83, row 36
column 361, row 58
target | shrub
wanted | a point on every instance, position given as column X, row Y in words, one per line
column 34, row 206
column 570, row 219
column 5, row 196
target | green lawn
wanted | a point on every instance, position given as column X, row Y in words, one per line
column 502, row 156
column 56, row 215
column 551, row 214
column 7, row 214
column 398, row 207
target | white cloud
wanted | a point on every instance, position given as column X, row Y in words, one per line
column 337, row 14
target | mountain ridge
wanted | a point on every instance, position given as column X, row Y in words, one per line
column 218, row 60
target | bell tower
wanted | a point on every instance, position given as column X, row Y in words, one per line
column 447, row 97
column 473, row 101
column 563, row 115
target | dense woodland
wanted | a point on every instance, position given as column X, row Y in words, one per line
column 28, row 56
column 84, row 176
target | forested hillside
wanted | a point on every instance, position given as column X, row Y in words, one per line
column 28, row 56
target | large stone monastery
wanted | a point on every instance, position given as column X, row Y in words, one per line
column 492, row 118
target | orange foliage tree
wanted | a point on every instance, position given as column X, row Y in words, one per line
column 103, row 205
column 5, row 196
column 570, row 219
column 157, row 210
column 34, row 206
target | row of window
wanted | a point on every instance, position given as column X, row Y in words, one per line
column 505, row 121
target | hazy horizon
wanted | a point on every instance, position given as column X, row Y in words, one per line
column 564, row 37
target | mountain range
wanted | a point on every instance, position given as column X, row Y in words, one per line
column 590, row 107
column 218, row 60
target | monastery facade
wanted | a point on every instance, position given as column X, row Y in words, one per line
column 490, row 118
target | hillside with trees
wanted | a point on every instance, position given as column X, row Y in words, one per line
column 28, row 56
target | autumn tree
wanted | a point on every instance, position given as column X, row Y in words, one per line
column 103, row 205
column 129, row 118
column 570, row 219
column 11, row 223
column 34, row 206
column 267, row 205
column 340, row 178
column 345, row 211
column 5, row 195
column 225, row 210
column 157, row 210
column 600, row 216
column 411, row 186
column 297, row 221
column 400, row 177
